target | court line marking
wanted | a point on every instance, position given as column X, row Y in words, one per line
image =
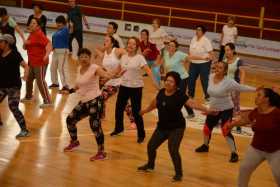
column 23, row 140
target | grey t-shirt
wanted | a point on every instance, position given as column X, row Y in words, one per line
column 220, row 93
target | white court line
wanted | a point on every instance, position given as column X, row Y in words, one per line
column 198, row 122
column 22, row 140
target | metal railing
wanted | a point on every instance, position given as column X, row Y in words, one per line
column 123, row 9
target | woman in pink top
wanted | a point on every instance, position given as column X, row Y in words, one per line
column 91, row 103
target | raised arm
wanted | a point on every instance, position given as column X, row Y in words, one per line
column 20, row 32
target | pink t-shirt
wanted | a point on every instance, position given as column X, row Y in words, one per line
column 88, row 84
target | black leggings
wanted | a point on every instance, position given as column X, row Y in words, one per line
column 222, row 53
column 79, row 37
column 93, row 109
column 135, row 96
column 13, row 101
column 213, row 120
column 174, row 140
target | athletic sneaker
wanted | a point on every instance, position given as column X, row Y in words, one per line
column 26, row 100
column 53, row 86
column 234, row 157
column 146, row 168
column 73, row 144
column 132, row 126
column 202, row 149
column 116, row 133
column 65, row 89
column 140, row 140
column 46, row 105
column 101, row 155
column 177, row 178
column 23, row 133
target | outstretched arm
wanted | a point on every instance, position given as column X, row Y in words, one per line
column 234, row 86
column 151, row 107
column 195, row 105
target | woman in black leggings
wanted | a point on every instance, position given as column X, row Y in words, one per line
column 171, row 124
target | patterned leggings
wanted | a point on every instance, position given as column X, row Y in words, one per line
column 107, row 92
column 93, row 109
column 235, row 96
column 13, row 101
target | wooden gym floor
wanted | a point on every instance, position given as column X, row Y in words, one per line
column 39, row 160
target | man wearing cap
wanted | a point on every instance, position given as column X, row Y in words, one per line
column 10, row 80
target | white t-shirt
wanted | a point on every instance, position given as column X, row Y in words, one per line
column 133, row 77
column 229, row 34
column 88, row 84
column 157, row 38
column 110, row 63
column 118, row 38
column 200, row 47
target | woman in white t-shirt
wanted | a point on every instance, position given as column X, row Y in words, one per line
column 158, row 35
column 200, row 54
column 131, row 87
column 229, row 35
column 111, row 62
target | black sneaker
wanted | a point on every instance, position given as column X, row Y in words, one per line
column 234, row 157
column 190, row 116
column 146, row 168
column 23, row 133
column 238, row 130
column 54, row 86
column 116, row 133
column 140, row 140
column 177, row 178
column 202, row 149
column 65, row 89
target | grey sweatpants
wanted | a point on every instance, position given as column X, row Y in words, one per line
column 38, row 73
column 253, row 159
column 59, row 63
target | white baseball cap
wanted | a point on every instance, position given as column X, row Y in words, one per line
column 8, row 38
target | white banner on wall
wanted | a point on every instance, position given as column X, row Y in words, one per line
column 245, row 45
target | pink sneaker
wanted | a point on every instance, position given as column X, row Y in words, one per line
column 132, row 125
column 73, row 144
column 99, row 156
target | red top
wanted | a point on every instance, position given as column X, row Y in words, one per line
column 36, row 48
column 267, row 130
column 152, row 53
